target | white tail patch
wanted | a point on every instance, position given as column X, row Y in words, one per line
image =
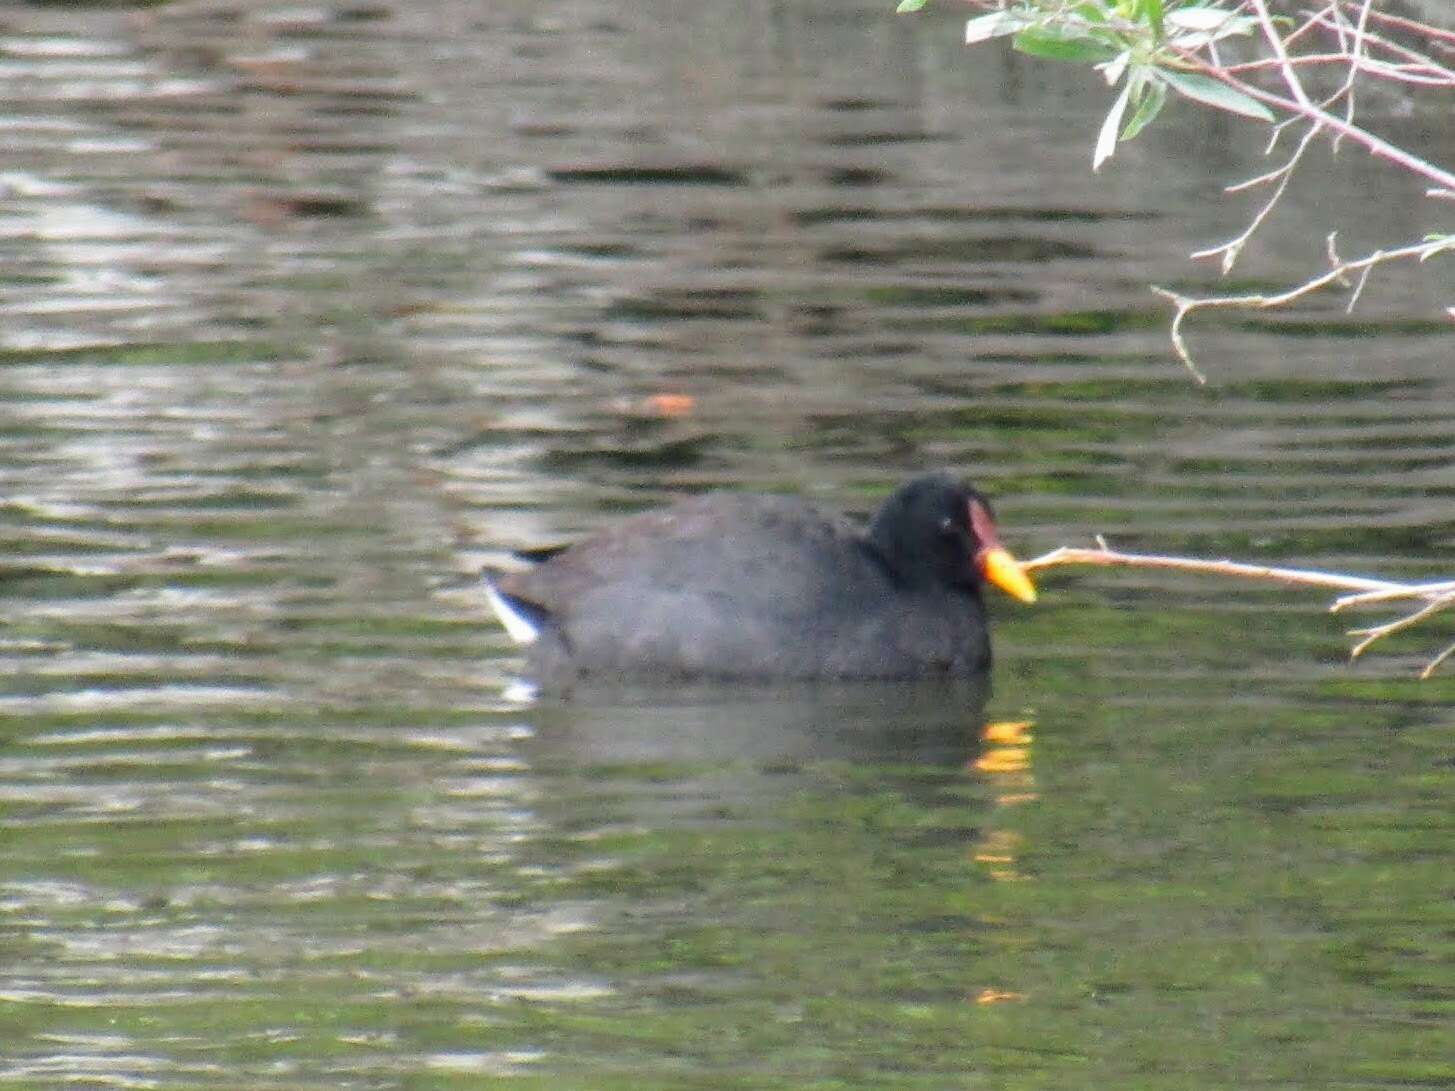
column 521, row 692
column 518, row 626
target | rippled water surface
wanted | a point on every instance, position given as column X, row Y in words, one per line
column 310, row 311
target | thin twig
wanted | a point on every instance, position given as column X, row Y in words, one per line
column 1356, row 57
column 1425, row 73
column 1434, row 664
column 1413, row 56
column 1233, row 247
column 1378, row 632
column 1309, row 23
column 1419, row 28
column 1392, row 593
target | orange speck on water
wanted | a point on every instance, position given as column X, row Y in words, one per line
column 672, row 405
column 997, row 996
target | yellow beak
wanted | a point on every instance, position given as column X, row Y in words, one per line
column 1003, row 570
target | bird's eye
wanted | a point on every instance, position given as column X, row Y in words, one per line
column 947, row 525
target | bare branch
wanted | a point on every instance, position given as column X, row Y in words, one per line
column 1366, row 590
column 1106, row 557
column 1338, row 274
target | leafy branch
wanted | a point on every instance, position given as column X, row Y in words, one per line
column 1305, row 77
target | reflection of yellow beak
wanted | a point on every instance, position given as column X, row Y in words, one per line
column 1003, row 570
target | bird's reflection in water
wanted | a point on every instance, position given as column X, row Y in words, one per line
column 734, row 749
column 934, row 724
column 704, row 758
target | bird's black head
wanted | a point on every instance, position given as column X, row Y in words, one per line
column 935, row 530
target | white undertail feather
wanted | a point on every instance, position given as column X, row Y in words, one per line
column 520, row 628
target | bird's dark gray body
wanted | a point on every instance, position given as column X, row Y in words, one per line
column 729, row 586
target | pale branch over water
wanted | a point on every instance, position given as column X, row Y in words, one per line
column 1355, row 42
column 1303, row 69
column 1337, row 274
column 1362, row 590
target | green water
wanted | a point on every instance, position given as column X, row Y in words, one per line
column 1189, row 885
column 309, row 312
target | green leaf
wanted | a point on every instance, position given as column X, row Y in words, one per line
column 1114, row 68
column 1194, row 28
column 995, row 25
column 1210, row 92
column 1039, row 42
column 909, row 5
column 1150, row 12
column 1106, row 140
column 1151, row 101
column 1205, row 18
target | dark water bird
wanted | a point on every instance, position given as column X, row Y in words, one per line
column 768, row 588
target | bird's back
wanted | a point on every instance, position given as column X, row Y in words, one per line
column 732, row 586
